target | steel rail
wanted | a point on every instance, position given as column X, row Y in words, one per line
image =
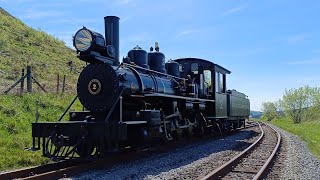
column 63, row 172
column 69, row 168
column 36, row 170
column 224, row 169
column 271, row 157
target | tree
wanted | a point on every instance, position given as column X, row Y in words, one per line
column 269, row 110
column 301, row 103
column 312, row 104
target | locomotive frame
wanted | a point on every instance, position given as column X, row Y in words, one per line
column 140, row 102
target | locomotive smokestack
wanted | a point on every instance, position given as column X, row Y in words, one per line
column 112, row 34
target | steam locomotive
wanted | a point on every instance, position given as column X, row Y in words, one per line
column 139, row 102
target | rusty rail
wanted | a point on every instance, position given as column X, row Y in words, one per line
column 44, row 171
column 69, row 168
column 227, row 167
column 271, row 157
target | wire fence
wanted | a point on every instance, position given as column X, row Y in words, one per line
column 14, row 82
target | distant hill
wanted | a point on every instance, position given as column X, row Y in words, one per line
column 255, row 114
column 21, row 45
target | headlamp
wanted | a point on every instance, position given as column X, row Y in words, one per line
column 87, row 40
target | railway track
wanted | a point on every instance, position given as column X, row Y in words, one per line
column 48, row 171
column 70, row 168
column 254, row 161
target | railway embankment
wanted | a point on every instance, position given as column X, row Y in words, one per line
column 22, row 46
column 295, row 160
column 16, row 115
column 307, row 131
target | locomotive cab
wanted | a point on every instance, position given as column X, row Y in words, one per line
column 211, row 81
column 220, row 92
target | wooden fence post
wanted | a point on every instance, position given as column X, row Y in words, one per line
column 29, row 82
column 29, row 79
column 58, row 83
column 22, row 83
column 37, row 110
column 64, row 83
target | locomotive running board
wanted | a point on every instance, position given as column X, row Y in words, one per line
column 178, row 97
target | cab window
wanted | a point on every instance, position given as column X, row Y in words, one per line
column 194, row 68
column 217, row 82
column 207, row 79
column 220, row 82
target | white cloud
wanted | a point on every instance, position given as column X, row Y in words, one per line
column 314, row 61
column 50, row 5
column 122, row 20
column 199, row 31
column 136, row 38
column 73, row 21
column 249, row 51
column 312, row 81
column 317, row 51
column 16, row 1
column 234, row 10
column 297, row 38
column 126, row 3
column 35, row 14
column 185, row 32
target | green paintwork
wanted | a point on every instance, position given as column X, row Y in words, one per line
column 221, row 104
column 239, row 106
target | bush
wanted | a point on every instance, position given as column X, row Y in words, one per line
column 302, row 103
column 269, row 110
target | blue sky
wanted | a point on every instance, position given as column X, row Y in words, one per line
column 268, row 45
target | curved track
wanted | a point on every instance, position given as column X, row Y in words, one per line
column 48, row 171
column 70, row 167
column 254, row 161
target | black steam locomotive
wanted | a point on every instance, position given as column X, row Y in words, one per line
column 139, row 102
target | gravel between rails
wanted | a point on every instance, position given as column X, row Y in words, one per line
column 295, row 160
column 256, row 158
column 190, row 162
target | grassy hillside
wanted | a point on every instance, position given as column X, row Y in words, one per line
column 16, row 115
column 308, row 131
column 21, row 45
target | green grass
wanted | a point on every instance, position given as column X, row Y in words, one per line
column 21, row 45
column 308, row 131
column 16, row 115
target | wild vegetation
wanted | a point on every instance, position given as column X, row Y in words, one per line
column 16, row 115
column 301, row 104
column 269, row 110
column 48, row 56
column 308, row 131
column 298, row 112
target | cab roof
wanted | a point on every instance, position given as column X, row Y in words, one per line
column 204, row 62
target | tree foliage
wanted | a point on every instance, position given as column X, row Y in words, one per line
column 279, row 107
column 302, row 103
column 269, row 110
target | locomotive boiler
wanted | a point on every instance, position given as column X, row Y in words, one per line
column 142, row 101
